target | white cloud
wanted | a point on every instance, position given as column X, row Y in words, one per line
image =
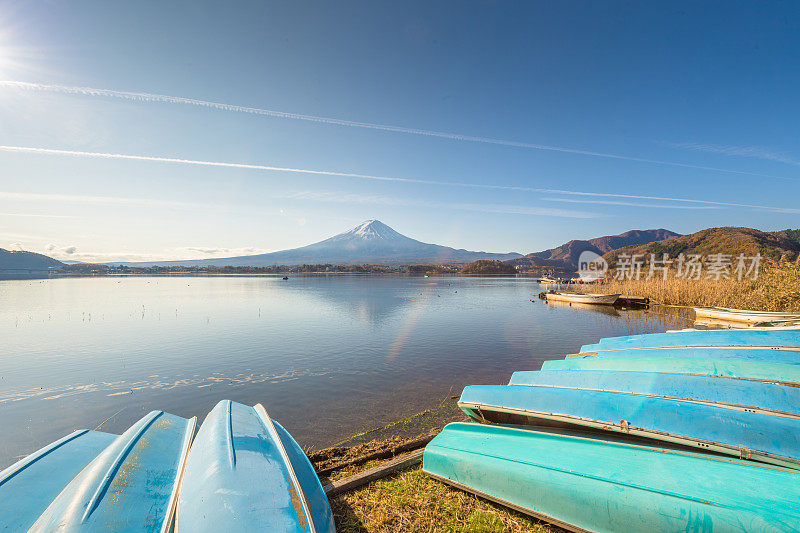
column 486, row 208
column 33, row 215
column 218, row 252
column 630, row 204
column 757, row 152
column 88, row 199
column 375, row 199
column 160, row 98
column 672, row 199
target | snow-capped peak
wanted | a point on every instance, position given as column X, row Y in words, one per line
column 373, row 229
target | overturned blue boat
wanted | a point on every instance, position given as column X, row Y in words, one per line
column 246, row 473
column 771, row 355
column 751, row 394
column 731, row 368
column 585, row 483
column 29, row 486
column 734, row 430
column 131, row 485
column 744, row 338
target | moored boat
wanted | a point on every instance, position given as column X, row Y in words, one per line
column 743, row 315
column 765, row 325
column 763, row 436
column 246, row 473
column 731, row 368
column 755, row 395
column 131, row 485
column 582, row 298
column 586, row 483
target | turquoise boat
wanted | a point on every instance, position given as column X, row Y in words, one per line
column 585, row 483
column 246, row 473
column 732, row 368
column 738, row 431
column 693, row 352
column 131, row 485
column 754, row 395
column 29, row 486
column 790, row 338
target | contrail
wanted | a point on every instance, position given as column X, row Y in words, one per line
column 161, row 98
column 129, row 157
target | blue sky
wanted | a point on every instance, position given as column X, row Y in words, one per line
column 619, row 115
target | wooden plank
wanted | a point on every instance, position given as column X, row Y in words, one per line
column 349, row 483
column 383, row 454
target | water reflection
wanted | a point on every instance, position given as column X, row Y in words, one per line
column 328, row 356
column 608, row 310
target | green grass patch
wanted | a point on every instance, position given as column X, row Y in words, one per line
column 411, row 501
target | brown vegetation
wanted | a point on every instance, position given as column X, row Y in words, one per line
column 777, row 246
column 489, row 267
column 776, row 289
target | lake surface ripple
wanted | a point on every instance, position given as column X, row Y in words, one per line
column 327, row 356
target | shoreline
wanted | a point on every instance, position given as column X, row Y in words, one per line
column 407, row 499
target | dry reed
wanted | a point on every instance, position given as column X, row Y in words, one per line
column 775, row 289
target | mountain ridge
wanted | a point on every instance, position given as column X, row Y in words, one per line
column 21, row 260
column 565, row 257
column 778, row 246
column 371, row 242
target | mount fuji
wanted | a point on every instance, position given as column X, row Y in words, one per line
column 371, row 242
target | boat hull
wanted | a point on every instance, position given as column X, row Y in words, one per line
column 756, row 395
column 741, row 315
column 131, row 485
column 246, row 473
column 766, row 437
column 789, row 356
column 587, row 484
column 743, row 338
column 595, row 299
column 731, row 368
column 30, row 485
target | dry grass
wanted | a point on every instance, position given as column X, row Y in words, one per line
column 413, row 502
column 776, row 289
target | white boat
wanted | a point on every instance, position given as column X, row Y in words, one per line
column 743, row 315
column 574, row 297
column 548, row 280
column 774, row 325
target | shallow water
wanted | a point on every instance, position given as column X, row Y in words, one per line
column 327, row 356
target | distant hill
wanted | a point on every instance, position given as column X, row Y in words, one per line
column 565, row 257
column 488, row 267
column 371, row 242
column 18, row 260
column 776, row 246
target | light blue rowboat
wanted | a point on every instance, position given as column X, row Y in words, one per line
column 693, row 352
column 28, row 486
column 589, row 484
column 246, row 473
column 732, row 368
column 756, row 395
column 789, row 338
column 131, row 485
column 721, row 428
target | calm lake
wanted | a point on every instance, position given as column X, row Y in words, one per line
column 327, row 356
